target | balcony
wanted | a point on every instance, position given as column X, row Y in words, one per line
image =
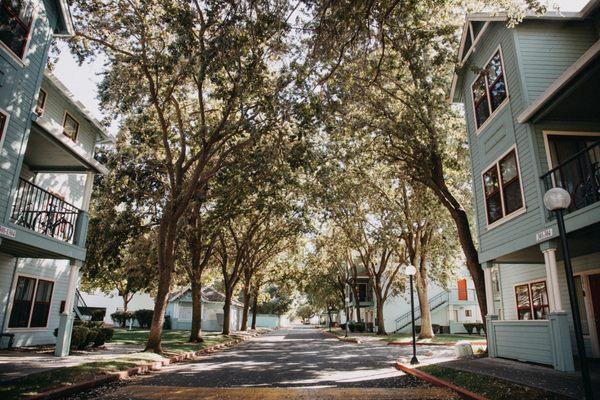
column 579, row 175
column 45, row 213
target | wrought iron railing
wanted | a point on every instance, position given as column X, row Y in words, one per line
column 435, row 302
column 579, row 175
column 43, row 212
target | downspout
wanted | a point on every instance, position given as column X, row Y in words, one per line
column 12, row 283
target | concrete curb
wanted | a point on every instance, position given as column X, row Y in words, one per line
column 343, row 339
column 138, row 369
column 462, row 392
column 434, row 344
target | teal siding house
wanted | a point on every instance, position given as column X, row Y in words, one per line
column 531, row 97
column 47, row 144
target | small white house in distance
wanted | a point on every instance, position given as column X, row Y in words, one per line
column 179, row 310
column 112, row 302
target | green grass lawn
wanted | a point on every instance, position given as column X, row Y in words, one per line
column 173, row 342
column 492, row 388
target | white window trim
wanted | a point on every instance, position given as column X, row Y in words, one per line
column 74, row 140
column 43, row 109
column 3, row 133
column 515, row 213
column 528, row 283
column 12, row 298
column 22, row 61
column 494, row 113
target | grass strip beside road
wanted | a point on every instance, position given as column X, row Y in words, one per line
column 174, row 342
column 490, row 387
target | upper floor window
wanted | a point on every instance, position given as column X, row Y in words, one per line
column 532, row 300
column 489, row 90
column 502, row 188
column 3, row 120
column 16, row 17
column 41, row 103
column 70, row 126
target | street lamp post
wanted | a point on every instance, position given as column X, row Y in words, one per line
column 410, row 270
column 558, row 200
column 329, row 309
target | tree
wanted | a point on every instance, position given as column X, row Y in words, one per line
column 305, row 312
column 120, row 233
column 199, row 76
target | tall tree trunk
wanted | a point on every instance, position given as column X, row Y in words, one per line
column 356, row 301
column 246, row 293
column 166, row 246
column 380, row 320
column 196, row 331
column 254, row 309
column 125, row 303
column 227, row 312
column 423, row 296
column 461, row 220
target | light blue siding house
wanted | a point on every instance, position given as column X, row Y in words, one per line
column 179, row 309
column 531, row 97
column 47, row 142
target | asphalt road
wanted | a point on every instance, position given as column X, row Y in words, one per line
column 306, row 362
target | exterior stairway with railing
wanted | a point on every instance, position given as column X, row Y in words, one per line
column 435, row 302
column 80, row 307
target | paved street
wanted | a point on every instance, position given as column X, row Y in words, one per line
column 297, row 363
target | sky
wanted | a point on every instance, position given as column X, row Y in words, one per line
column 82, row 80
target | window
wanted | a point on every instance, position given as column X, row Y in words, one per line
column 16, row 17
column 502, row 188
column 468, row 313
column 489, row 90
column 532, row 300
column 31, row 303
column 70, row 127
column 3, row 120
column 363, row 290
column 41, row 103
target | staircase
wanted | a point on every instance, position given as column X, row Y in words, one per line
column 434, row 303
column 79, row 306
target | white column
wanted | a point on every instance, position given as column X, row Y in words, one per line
column 489, row 296
column 552, row 280
column 65, row 326
column 73, row 281
column 87, row 191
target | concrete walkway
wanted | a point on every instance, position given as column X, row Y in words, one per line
column 16, row 363
column 545, row 378
column 298, row 363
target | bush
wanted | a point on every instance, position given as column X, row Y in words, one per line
column 121, row 318
column 436, row 328
column 167, row 323
column 359, row 327
column 108, row 333
column 144, row 317
column 79, row 337
column 352, row 327
column 479, row 328
column 370, row 327
column 98, row 315
column 343, row 326
column 469, row 328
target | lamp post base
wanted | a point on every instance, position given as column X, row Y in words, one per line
column 414, row 360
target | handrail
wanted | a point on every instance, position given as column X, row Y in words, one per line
column 435, row 302
column 568, row 160
column 38, row 209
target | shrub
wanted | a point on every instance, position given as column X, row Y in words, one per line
column 359, row 327
column 479, row 328
column 79, row 337
column 167, row 323
column 98, row 315
column 343, row 326
column 436, row 328
column 121, row 318
column 369, row 327
column 352, row 327
column 144, row 317
column 108, row 333
column 469, row 328
column 417, row 329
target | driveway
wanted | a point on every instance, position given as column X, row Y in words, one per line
column 295, row 363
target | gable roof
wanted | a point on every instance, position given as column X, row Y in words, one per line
column 477, row 23
column 209, row 295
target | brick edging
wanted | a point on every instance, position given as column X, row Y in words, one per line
column 138, row 369
column 462, row 392
column 343, row 339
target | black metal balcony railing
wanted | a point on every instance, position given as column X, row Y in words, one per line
column 43, row 212
column 579, row 175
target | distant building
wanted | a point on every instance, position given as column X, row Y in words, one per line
column 179, row 309
column 112, row 303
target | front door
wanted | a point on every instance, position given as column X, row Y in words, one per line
column 594, row 281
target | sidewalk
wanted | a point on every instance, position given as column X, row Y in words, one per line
column 545, row 378
column 18, row 363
